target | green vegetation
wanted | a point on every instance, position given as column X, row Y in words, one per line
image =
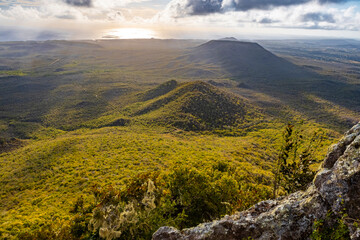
column 182, row 198
column 7, row 145
column 331, row 227
column 185, row 197
column 198, row 106
column 297, row 154
column 43, row 180
column 69, row 83
column 162, row 89
column 226, row 163
column 88, row 125
column 334, row 227
column 12, row 73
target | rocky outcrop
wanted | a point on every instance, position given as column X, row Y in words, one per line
column 335, row 188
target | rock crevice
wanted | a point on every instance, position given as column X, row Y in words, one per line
column 336, row 188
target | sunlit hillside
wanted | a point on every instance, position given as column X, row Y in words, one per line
column 87, row 123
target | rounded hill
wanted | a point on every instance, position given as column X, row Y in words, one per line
column 195, row 106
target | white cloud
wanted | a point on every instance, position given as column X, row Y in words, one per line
column 107, row 4
column 56, row 15
column 281, row 17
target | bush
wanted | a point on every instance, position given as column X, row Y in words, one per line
column 202, row 196
column 182, row 198
column 331, row 227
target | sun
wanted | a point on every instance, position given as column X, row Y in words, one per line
column 130, row 33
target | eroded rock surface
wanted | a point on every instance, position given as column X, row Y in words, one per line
column 335, row 188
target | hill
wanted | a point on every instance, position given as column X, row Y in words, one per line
column 67, row 84
column 257, row 70
column 103, row 113
column 195, row 106
column 159, row 90
column 42, row 180
column 246, row 60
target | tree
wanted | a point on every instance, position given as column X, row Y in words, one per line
column 293, row 167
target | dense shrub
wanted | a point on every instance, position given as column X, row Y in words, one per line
column 201, row 195
column 181, row 198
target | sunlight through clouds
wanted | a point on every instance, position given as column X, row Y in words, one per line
column 128, row 33
column 93, row 17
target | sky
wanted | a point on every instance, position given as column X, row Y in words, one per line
column 181, row 19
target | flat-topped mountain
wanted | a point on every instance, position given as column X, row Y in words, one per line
column 245, row 59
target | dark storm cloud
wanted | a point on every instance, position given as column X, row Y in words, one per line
column 318, row 17
column 333, row 1
column 244, row 5
column 79, row 3
column 203, row 7
column 200, row 7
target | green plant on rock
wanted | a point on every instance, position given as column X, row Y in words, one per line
column 330, row 228
column 131, row 213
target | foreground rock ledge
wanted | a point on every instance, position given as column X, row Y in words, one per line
column 336, row 187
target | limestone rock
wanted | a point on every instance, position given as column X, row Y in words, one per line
column 336, row 187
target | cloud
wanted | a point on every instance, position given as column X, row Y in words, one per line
column 79, row 3
column 98, row 17
column 27, row 3
column 74, row 10
column 103, row 4
column 68, row 16
column 312, row 15
column 318, row 17
column 199, row 7
column 182, row 8
column 266, row 20
column 244, row 5
column 333, row 1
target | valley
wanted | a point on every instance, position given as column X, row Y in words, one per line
column 82, row 115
